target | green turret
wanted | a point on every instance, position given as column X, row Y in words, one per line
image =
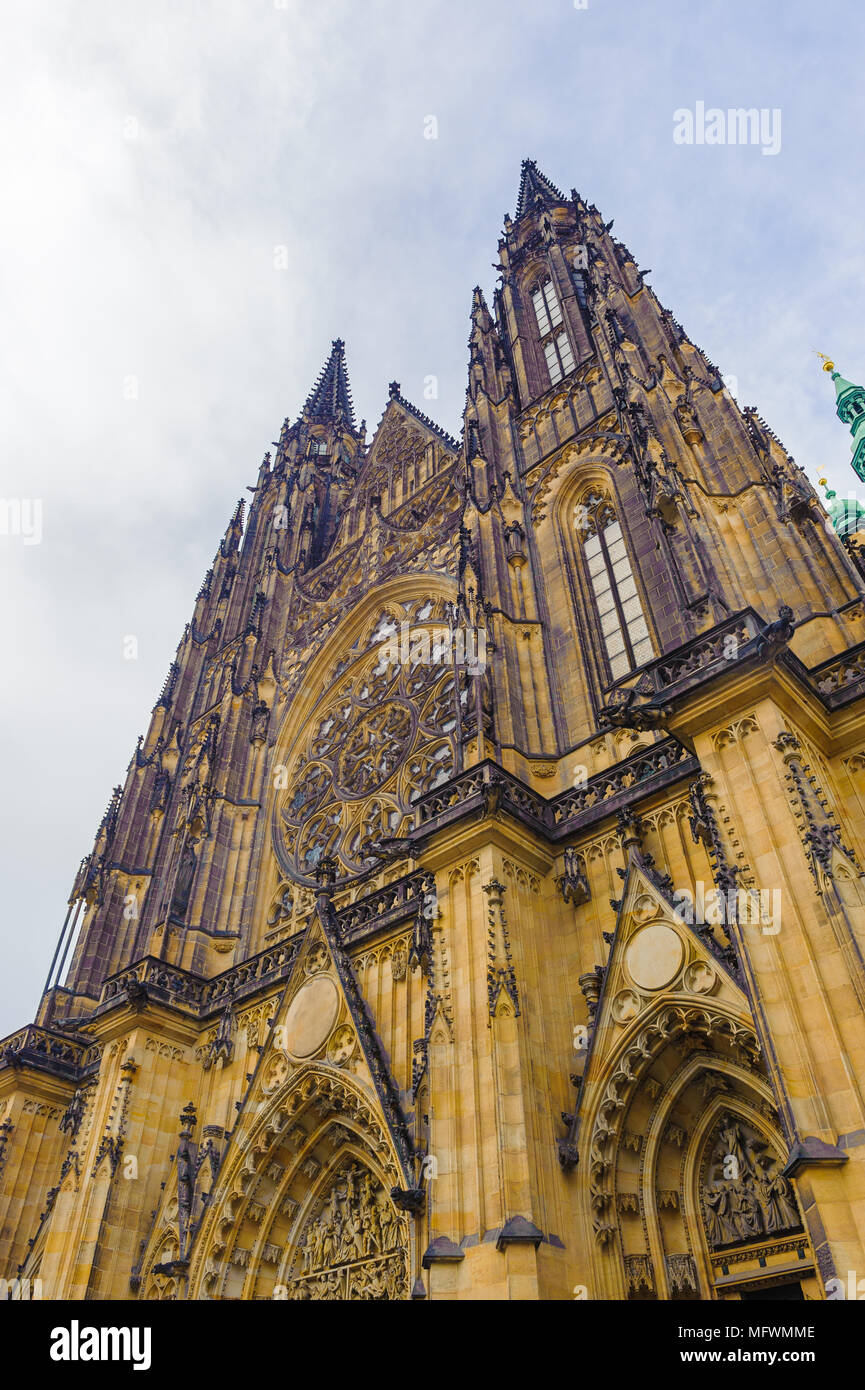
column 847, row 514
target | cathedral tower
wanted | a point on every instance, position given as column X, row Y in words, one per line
column 481, row 914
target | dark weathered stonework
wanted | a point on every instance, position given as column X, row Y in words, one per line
column 360, row 899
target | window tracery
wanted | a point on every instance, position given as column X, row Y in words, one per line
column 618, row 607
column 553, row 334
column 386, row 730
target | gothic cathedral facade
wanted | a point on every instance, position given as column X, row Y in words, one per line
column 482, row 914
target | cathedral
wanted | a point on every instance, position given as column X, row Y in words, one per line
column 482, row 914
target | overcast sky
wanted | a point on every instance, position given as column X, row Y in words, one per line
column 155, row 156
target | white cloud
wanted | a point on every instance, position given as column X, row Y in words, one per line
column 152, row 158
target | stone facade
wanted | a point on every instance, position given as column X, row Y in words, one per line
column 481, row 915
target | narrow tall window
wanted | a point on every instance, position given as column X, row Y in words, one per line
column 580, row 287
column 620, row 612
column 554, row 339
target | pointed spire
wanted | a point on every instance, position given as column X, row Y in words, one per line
column 234, row 530
column 850, row 409
column 395, row 394
column 533, row 185
column 480, row 314
column 330, row 397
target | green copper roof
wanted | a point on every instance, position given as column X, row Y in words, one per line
column 842, row 385
column 847, row 514
column 850, row 409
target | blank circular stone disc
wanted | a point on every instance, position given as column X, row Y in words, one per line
column 654, row 956
column 311, row 1016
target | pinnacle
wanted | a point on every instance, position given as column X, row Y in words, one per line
column 330, row 397
column 533, row 185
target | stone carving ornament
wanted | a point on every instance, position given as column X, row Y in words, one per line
column 310, row 1016
column 746, row 1197
column 353, row 1244
column 387, row 727
column 341, row 1045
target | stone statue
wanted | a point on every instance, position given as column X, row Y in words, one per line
column 183, row 885
column 749, row 1198
column 355, row 1236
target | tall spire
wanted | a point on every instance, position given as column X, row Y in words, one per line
column 847, row 515
column 850, row 409
column 533, row 185
column 330, row 397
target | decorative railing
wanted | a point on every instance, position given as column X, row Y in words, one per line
column 724, row 643
column 489, row 786
column 607, row 791
column 835, row 682
column 158, row 980
column 382, row 908
column 841, row 679
column 482, row 783
column 169, row 984
column 47, row 1050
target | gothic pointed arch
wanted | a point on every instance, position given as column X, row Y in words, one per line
column 381, row 727
column 679, row 1145
column 302, row 1207
column 600, row 574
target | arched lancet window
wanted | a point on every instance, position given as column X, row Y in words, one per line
column 580, row 285
column 620, row 613
column 554, row 338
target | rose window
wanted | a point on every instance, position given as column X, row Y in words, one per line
column 382, row 736
column 375, row 746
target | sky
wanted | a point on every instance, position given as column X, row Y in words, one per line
column 198, row 197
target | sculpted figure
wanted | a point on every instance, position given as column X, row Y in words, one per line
column 388, row 1223
column 331, row 1209
column 393, row 1278
column 316, row 1241
column 719, row 1220
column 329, row 1243
column 377, row 1283
column 374, row 1219
column 353, row 1244
column 351, row 1180
column 365, row 1190
column 763, row 1196
column 366, row 1233
column 781, row 1197
column 730, row 1142
column 746, row 1213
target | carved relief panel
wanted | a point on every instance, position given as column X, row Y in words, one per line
column 743, row 1195
column 353, row 1245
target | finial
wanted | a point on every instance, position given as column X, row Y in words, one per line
column 824, row 482
column 828, row 364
